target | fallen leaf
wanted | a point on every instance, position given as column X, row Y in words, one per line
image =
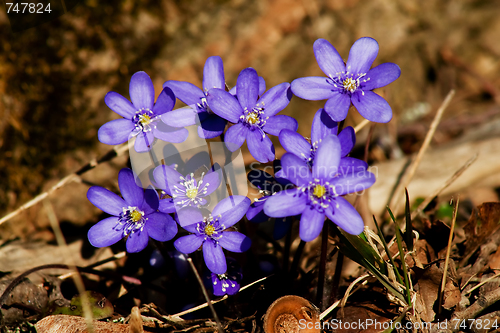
column 75, row 324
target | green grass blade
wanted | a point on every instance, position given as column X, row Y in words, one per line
column 409, row 227
column 386, row 248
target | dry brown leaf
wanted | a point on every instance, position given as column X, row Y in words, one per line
column 494, row 260
column 427, row 289
column 74, row 324
column 451, row 295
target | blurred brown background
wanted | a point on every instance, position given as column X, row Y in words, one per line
column 53, row 78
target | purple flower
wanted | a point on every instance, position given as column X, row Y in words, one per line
column 134, row 216
column 186, row 191
column 351, row 82
column 268, row 185
column 198, row 110
column 211, row 232
column 229, row 282
column 318, row 192
column 322, row 126
column 253, row 116
column 141, row 117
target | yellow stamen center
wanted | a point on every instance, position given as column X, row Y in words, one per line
column 252, row 118
column 319, row 191
column 135, row 215
column 209, row 230
column 350, row 84
column 144, row 119
column 192, row 193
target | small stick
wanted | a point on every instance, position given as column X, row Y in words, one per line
column 87, row 311
column 360, row 126
column 482, row 283
column 413, row 167
column 457, row 174
column 322, row 266
column 447, row 260
column 204, row 305
column 74, row 177
column 205, row 293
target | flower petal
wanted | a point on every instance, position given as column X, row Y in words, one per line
column 165, row 102
column 234, row 241
column 285, row 203
column 247, row 88
column 329, row 60
column 106, row 200
column 347, row 138
column 189, row 216
column 260, row 146
column 275, row 124
column 166, row 176
column 295, row 143
column 131, row 192
column 151, row 201
column 326, row 161
column 212, row 126
column 167, row 206
column 372, row 106
column 353, row 182
column 312, row 88
column 232, row 209
column 380, row 76
column 142, row 91
column 224, row 105
column 235, row 136
column 337, row 106
column 281, row 227
column 137, row 241
column 361, row 56
column 295, row 169
column 188, row 244
column 322, row 126
column 351, row 166
column 256, row 213
column 161, row 227
column 144, row 141
column 119, row 104
column 262, row 85
column 213, row 74
column 214, row 258
column 311, row 224
column 182, row 117
column 170, row 134
column 115, row 132
column 212, row 180
column 343, row 214
column 102, row 234
column 187, row 92
column 275, row 99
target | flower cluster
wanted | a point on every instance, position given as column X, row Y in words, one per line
column 308, row 183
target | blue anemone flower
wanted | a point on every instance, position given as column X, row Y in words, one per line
column 319, row 191
column 229, row 282
column 211, row 232
column 198, row 110
column 135, row 216
column 141, row 117
column 253, row 116
column 351, row 82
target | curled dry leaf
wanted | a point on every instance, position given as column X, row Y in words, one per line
column 292, row 314
column 74, row 324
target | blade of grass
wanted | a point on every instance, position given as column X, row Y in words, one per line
column 409, row 227
column 402, row 256
column 386, row 248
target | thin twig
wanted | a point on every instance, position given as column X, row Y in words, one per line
column 205, row 293
column 204, row 305
column 74, row 177
column 348, row 291
column 436, row 192
column 447, row 260
column 395, row 202
column 87, row 311
column 322, row 266
column 482, row 283
column 360, row 126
